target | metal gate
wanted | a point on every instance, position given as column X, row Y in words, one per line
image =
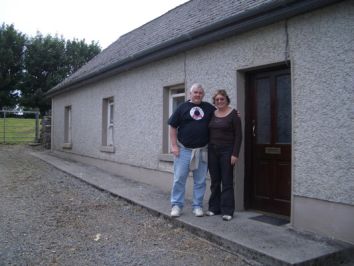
column 19, row 127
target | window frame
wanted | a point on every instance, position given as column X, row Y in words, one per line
column 107, row 141
column 171, row 97
column 67, row 127
column 168, row 99
column 110, row 123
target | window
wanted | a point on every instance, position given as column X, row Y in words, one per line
column 177, row 96
column 173, row 97
column 67, row 127
column 108, row 125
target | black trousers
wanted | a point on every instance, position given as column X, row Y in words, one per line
column 222, row 199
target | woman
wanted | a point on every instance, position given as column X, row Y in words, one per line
column 225, row 137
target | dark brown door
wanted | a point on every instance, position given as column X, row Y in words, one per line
column 269, row 141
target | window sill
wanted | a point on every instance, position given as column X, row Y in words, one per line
column 67, row 146
column 109, row 149
column 166, row 157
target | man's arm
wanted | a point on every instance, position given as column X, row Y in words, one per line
column 173, row 140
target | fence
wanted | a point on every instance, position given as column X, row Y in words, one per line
column 19, row 127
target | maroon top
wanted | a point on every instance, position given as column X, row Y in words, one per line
column 226, row 130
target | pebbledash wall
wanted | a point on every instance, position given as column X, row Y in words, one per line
column 320, row 48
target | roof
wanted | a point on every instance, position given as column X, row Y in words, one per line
column 187, row 26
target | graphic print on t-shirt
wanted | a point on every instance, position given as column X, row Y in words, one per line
column 196, row 113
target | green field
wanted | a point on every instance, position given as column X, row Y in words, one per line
column 17, row 130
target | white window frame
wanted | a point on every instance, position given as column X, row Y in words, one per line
column 108, row 144
column 110, row 123
column 173, row 94
column 67, row 127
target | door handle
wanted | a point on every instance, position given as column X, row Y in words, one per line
column 253, row 128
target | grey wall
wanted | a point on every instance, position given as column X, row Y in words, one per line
column 324, row 217
column 138, row 114
column 322, row 51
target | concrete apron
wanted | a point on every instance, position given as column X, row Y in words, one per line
column 260, row 243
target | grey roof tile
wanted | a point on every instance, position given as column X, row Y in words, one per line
column 180, row 21
column 185, row 22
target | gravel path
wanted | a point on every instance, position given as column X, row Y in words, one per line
column 48, row 217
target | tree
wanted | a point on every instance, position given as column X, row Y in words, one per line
column 48, row 61
column 29, row 67
column 78, row 53
column 12, row 44
column 44, row 68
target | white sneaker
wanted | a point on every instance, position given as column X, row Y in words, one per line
column 227, row 217
column 198, row 212
column 210, row 213
column 176, row 211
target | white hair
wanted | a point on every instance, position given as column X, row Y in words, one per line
column 196, row 86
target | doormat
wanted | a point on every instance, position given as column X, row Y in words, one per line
column 270, row 220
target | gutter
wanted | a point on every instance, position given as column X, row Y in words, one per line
column 254, row 18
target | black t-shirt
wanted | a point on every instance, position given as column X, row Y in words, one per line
column 191, row 121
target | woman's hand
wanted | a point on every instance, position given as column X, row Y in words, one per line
column 234, row 160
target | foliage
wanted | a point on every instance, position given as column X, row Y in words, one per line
column 48, row 61
column 42, row 62
column 44, row 68
column 78, row 53
column 12, row 45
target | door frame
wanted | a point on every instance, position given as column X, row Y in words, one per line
column 248, row 131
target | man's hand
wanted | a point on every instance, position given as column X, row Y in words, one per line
column 173, row 138
column 175, row 150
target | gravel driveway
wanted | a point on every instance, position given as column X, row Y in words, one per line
column 48, row 217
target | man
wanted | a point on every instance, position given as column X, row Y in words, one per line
column 189, row 139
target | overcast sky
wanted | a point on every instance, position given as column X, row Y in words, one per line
column 99, row 20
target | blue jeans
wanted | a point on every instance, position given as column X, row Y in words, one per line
column 181, row 171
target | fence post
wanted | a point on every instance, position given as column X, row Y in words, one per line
column 4, row 137
column 37, row 128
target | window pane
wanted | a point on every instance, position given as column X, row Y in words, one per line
column 111, row 109
column 263, row 111
column 67, row 125
column 284, row 109
column 178, row 91
column 110, row 136
column 176, row 102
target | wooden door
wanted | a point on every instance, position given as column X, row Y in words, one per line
column 269, row 141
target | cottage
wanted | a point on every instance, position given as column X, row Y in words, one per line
column 289, row 69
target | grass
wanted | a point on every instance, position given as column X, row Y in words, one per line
column 17, row 130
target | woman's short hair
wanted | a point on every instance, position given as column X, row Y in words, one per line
column 222, row 93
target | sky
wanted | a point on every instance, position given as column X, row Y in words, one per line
column 102, row 21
